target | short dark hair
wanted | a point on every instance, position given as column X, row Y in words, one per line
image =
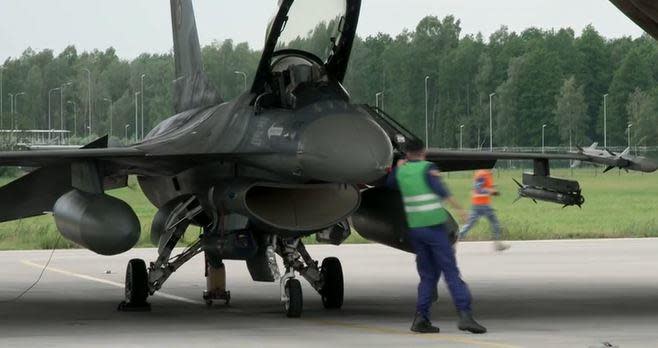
column 414, row 146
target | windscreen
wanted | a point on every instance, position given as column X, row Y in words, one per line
column 312, row 25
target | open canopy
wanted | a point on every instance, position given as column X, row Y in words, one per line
column 324, row 30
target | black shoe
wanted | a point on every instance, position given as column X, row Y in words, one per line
column 467, row 323
column 422, row 325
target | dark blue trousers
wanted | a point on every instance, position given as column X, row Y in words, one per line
column 434, row 256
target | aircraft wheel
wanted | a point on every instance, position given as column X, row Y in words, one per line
column 333, row 290
column 295, row 303
column 137, row 289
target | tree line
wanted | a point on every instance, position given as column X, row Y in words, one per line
column 550, row 79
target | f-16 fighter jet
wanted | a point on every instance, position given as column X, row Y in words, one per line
column 613, row 160
column 292, row 157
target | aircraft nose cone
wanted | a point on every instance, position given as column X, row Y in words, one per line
column 349, row 148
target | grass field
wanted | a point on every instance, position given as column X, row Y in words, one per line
column 617, row 205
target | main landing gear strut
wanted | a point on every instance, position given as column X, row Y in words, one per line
column 142, row 282
column 326, row 278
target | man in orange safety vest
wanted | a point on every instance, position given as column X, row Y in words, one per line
column 483, row 190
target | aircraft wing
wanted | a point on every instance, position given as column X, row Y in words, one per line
column 42, row 158
column 643, row 12
column 122, row 161
column 468, row 160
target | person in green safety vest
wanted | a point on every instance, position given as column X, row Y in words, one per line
column 423, row 195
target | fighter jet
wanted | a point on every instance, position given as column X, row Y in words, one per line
column 290, row 158
column 613, row 160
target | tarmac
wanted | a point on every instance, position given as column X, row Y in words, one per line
column 577, row 293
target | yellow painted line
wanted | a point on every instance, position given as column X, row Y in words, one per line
column 435, row 337
column 107, row 282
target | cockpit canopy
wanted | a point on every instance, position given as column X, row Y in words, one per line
column 313, row 26
column 308, row 42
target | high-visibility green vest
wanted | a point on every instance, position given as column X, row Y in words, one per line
column 422, row 206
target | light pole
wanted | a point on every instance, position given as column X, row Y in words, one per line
column 605, row 120
column 628, row 129
column 379, row 94
column 427, row 132
column 75, row 117
column 142, row 106
column 461, row 137
column 2, row 68
column 491, row 121
column 244, row 75
column 109, row 101
column 543, row 127
column 88, row 98
column 11, row 108
column 136, row 115
column 15, row 104
column 61, row 104
column 50, row 127
column 126, row 132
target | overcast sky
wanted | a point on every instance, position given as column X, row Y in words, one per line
column 136, row 26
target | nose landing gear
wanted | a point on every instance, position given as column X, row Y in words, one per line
column 327, row 280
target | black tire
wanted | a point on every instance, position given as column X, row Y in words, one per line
column 333, row 290
column 137, row 289
column 295, row 302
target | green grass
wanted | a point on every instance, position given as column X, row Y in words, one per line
column 616, row 205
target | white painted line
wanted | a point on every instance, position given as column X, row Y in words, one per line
column 593, row 240
column 108, row 282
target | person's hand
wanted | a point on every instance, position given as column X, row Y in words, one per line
column 401, row 162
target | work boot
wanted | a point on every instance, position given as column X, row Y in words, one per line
column 467, row 323
column 500, row 246
column 423, row 325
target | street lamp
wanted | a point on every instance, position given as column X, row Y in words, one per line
column 15, row 106
column 427, row 132
column 491, row 121
column 61, row 104
column 142, row 91
column 605, row 120
column 136, row 115
column 2, row 68
column 11, row 108
column 628, row 129
column 461, row 137
column 50, row 128
column 379, row 94
column 126, row 132
column 75, row 117
column 244, row 75
column 109, row 101
column 11, row 103
column 543, row 127
column 88, row 98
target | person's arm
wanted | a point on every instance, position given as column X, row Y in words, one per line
column 492, row 188
column 434, row 180
column 391, row 180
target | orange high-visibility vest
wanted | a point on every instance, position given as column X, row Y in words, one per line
column 482, row 187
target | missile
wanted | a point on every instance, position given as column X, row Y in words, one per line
column 566, row 199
